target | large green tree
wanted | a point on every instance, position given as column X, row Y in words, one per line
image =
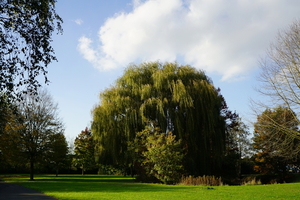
column 172, row 97
column 26, row 28
column 276, row 147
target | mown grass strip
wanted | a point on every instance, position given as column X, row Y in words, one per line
column 68, row 187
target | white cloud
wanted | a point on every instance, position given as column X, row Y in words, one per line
column 86, row 50
column 93, row 56
column 78, row 21
column 217, row 36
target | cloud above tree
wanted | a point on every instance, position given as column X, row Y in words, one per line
column 217, row 36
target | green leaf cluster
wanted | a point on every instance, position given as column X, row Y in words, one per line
column 160, row 154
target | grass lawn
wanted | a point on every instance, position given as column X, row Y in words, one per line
column 119, row 188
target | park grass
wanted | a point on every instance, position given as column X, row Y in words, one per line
column 66, row 187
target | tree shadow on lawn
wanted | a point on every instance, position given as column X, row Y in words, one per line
column 85, row 178
column 95, row 184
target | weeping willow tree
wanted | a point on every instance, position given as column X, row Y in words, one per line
column 174, row 98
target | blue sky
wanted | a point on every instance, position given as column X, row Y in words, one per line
column 225, row 38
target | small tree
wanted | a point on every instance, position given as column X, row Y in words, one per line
column 161, row 155
column 84, row 151
column 237, row 144
column 276, row 148
column 58, row 151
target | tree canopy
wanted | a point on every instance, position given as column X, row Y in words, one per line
column 84, row 151
column 56, row 156
column 159, row 154
column 32, row 131
column 172, row 97
column 276, row 148
column 26, row 29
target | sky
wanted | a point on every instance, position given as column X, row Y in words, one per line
column 225, row 38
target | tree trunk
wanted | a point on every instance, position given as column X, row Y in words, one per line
column 56, row 171
column 31, row 169
column 82, row 172
column 131, row 170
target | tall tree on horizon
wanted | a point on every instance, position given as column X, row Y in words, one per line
column 174, row 98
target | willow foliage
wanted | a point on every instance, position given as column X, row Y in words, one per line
column 175, row 98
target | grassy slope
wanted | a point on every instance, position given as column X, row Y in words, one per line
column 118, row 187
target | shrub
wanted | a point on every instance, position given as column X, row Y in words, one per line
column 160, row 156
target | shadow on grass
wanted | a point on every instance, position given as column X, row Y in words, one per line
column 74, row 183
column 85, row 178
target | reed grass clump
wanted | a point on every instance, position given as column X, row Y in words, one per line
column 251, row 181
column 201, row 180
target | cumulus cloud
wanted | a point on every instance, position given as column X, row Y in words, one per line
column 217, row 36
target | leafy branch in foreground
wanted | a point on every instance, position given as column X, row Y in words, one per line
column 26, row 29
